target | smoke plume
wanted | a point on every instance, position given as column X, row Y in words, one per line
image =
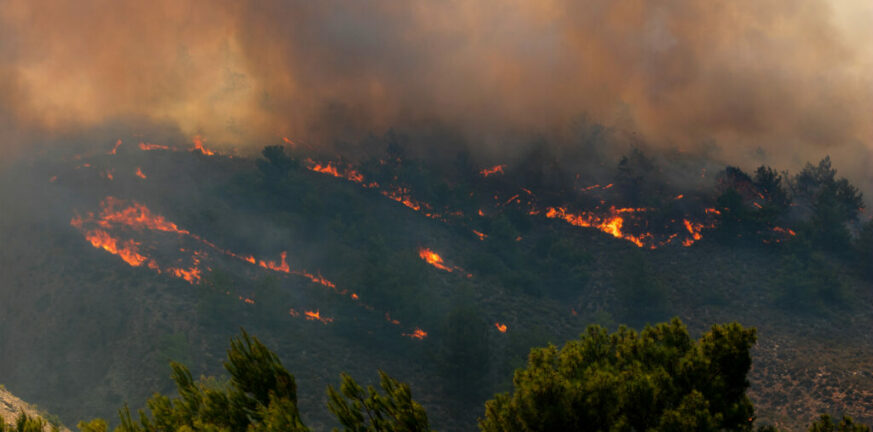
column 775, row 81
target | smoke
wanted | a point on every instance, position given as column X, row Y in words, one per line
column 777, row 81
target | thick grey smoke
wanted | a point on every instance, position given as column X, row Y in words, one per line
column 776, row 81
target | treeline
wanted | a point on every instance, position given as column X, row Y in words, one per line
column 658, row 379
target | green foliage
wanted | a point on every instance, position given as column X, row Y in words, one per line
column 261, row 396
column 826, row 423
column 393, row 410
column 95, row 425
column 25, row 423
column 656, row 379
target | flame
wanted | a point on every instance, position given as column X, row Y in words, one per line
column 108, row 174
column 417, row 334
column 694, row 230
column 481, row 235
column 317, row 279
column 198, row 146
column 316, row 316
column 136, row 216
column 679, row 197
column 331, row 169
column 712, row 211
column 280, row 267
column 147, row 146
column 433, row 259
column 115, row 149
column 392, row 321
column 500, row 327
column 496, row 169
column 788, row 231
column 127, row 251
column 610, row 223
column 139, row 173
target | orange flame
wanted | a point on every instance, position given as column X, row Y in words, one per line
column 127, row 251
column 316, row 316
column 433, row 259
column 500, row 327
column 139, row 173
column 496, row 169
column 610, row 223
column 115, row 149
column 330, row 169
column 694, row 230
column 481, row 235
column 416, row 334
column 198, row 146
column 147, row 146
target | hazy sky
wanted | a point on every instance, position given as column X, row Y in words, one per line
column 793, row 77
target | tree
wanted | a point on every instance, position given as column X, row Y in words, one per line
column 826, row 424
column 832, row 203
column 276, row 163
column 658, row 379
column 775, row 203
column 25, row 423
column 371, row 411
column 261, row 396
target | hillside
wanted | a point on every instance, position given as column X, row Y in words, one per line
column 148, row 255
column 11, row 407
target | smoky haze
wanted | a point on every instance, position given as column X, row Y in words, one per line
column 778, row 81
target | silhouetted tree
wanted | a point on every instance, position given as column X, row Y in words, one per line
column 276, row 163
column 832, row 203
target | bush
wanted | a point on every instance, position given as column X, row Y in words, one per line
column 658, row 379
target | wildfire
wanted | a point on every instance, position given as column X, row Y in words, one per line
column 693, row 230
column 198, row 146
column 138, row 217
column 319, row 280
column 433, row 259
column 140, row 174
column 496, row 169
column 148, row 147
column 788, row 231
column 115, row 149
column 332, row 169
column 500, row 327
column 416, row 334
column 610, row 223
column 480, row 235
column 316, row 316
column 127, row 251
